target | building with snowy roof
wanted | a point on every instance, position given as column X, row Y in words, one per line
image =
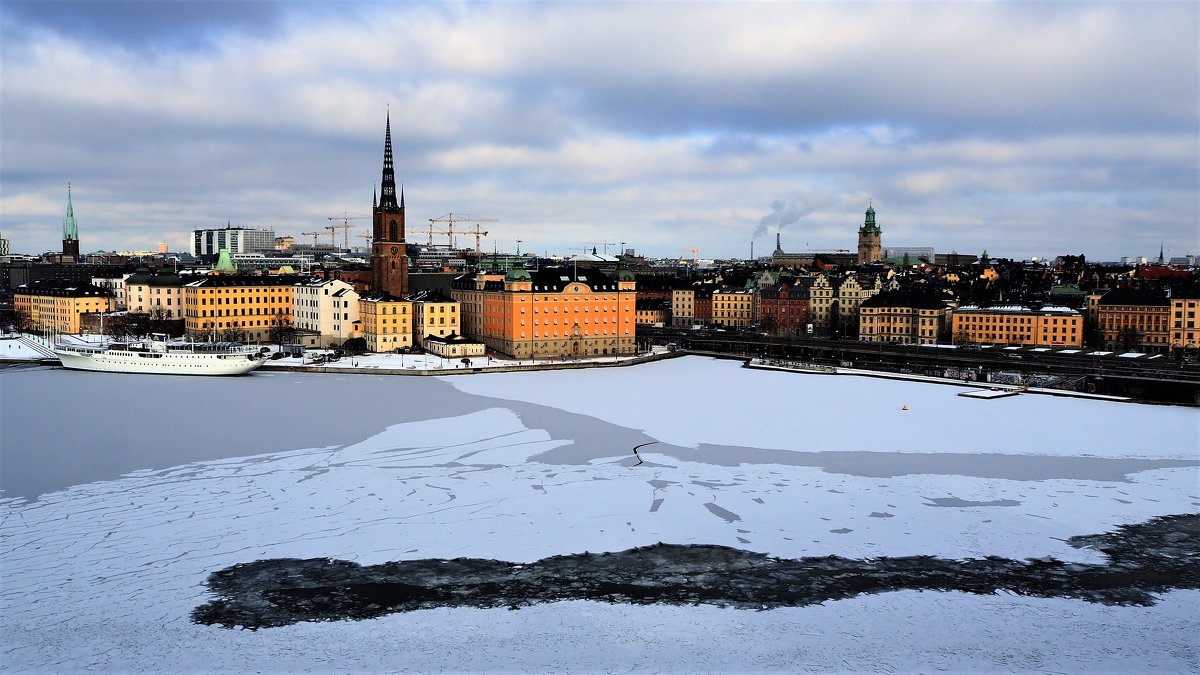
column 911, row 317
column 1047, row 326
column 58, row 305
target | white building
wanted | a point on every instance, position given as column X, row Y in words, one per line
column 159, row 293
column 114, row 284
column 234, row 239
column 326, row 307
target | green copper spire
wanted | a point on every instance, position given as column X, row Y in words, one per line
column 869, row 223
column 224, row 264
column 70, row 230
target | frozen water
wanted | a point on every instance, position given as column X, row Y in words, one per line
column 103, row 565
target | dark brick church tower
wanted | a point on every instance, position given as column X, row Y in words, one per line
column 389, row 263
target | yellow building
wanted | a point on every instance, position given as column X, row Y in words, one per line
column 387, row 322
column 834, row 300
column 902, row 316
column 683, row 306
column 231, row 306
column 1185, row 327
column 652, row 312
column 1048, row 326
column 434, row 315
column 58, row 306
column 1131, row 319
column 733, row 307
column 550, row 312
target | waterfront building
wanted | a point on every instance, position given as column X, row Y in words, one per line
column 434, row 315
column 454, row 347
column 783, row 309
column 327, row 308
column 733, row 307
column 1185, row 327
column 159, row 293
column 551, row 312
column 703, row 304
column 115, row 284
column 59, row 306
column 834, row 300
column 1132, row 319
column 683, row 306
column 238, row 307
column 1049, row 326
column 851, row 292
column 652, row 312
column 910, row 317
column 386, row 322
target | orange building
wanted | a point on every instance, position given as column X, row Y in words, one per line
column 58, row 306
column 550, row 312
column 1048, row 326
column 227, row 305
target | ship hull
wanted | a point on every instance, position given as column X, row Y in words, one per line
column 159, row 363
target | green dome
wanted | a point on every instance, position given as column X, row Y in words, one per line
column 517, row 275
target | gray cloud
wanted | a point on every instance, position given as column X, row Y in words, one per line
column 666, row 126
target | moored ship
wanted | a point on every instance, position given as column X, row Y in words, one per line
column 158, row 356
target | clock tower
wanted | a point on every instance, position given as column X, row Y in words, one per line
column 389, row 262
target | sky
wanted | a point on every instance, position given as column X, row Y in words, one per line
column 1024, row 129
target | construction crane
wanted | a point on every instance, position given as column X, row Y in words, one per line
column 450, row 219
column 314, row 235
column 695, row 254
column 367, row 238
column 345, row 218
column 478, row 233
column 605, row 244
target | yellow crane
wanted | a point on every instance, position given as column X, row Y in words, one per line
column 345, row 226
column 695, row 254
column 450, row 219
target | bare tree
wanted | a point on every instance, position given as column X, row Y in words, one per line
column 282, row 332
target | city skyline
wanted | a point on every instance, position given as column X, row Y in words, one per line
column 1024, row 129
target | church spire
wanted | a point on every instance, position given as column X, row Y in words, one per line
column 70, row 229
column 387, row 198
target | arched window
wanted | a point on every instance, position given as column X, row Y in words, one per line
column 393, row 232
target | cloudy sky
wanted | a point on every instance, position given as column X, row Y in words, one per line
column 1026, row 129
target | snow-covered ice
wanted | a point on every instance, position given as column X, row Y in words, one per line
column 100, row 571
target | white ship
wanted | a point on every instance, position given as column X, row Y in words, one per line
column 157, row 355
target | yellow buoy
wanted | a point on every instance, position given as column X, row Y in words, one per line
column 904, row 408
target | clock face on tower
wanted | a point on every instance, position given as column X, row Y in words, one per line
column 394, row 249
